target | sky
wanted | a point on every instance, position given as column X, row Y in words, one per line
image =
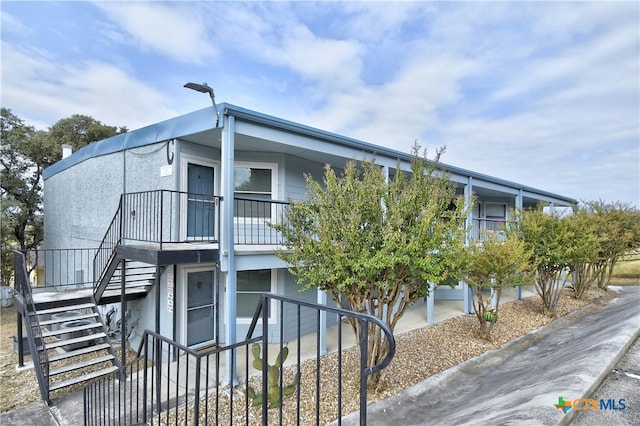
column 546, row 94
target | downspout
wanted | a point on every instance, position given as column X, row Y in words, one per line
column 227, row 257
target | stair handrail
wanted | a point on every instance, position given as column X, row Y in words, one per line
column 143, row 216
column 150, row 388
column 33, row 328
column 111, row 239
column 261, row 314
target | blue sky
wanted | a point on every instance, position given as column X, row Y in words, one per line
column 542, row 93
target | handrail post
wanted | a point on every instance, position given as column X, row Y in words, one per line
column 145, row 384
column 20, row 345
column 196, row 406
column 364, row 347
column 265, row 357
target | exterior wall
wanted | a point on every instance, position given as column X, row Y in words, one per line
column 295, row 170
column 79, row 202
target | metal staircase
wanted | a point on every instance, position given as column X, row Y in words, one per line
column 68, row 341
column 78, row 345
column 70, row 350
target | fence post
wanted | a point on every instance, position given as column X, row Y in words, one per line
column 364, row 356
column 265, row 358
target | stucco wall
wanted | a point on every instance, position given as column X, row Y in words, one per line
column 80, row 202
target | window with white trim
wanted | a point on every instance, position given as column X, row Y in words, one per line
column 249, row 287
column 255, row 181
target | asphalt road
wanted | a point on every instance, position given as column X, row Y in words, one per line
column 622, row 383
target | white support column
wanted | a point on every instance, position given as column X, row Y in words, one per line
column 227, row 242
column 468, row 199
column 431, row 305
column 494, row 299
column 322, row 329
column 519, row 204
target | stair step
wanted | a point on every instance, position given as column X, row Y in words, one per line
column 67, row 319
column 129, row 284
column 66, row 308
column 71, row 329
column 79, row 365
column 77, row 352
column 84, row 378
column 66, row 342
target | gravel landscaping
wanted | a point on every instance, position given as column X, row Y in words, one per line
column 420, row 354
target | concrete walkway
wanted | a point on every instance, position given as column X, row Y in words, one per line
column 520, row 382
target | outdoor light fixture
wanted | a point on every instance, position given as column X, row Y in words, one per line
column 204, row 88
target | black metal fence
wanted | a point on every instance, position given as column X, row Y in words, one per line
column 169, row 383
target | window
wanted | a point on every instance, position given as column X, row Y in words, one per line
column 249, row 286
column 495, row 214
column 495, row 211
column 255, row 182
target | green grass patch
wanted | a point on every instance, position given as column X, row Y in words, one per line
column 627, row 270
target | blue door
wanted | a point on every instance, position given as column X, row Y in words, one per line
column 202, row 300
column 201, row 208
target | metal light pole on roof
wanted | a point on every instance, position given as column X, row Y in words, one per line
column 205, row 88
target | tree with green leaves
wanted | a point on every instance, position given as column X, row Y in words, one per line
column 585, row 251
column 495, row 263
column 24, row 154
column 80, row 130
column 619, row 232
column 548, row 238
column 374, row 243
column 20, row 189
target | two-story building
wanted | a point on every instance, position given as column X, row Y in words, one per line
column 183, row 207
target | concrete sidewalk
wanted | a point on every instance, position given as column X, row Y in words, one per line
column 520, row 382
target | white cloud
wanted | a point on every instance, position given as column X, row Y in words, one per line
column 173, row 29
column 542, row 93
column 42, row 89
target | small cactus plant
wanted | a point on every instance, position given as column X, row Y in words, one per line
column 274, row 392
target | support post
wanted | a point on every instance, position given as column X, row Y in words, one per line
column 321, row 298
column 157, row 286
column 123, row 314
column 431, row 304
column 20, row 345
column 468, row 199
column 227, row 241
column 519, row 204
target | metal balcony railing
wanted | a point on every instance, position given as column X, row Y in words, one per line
column 252, row 220
column 59, row 268
column 159, row 217
column 481, row 227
